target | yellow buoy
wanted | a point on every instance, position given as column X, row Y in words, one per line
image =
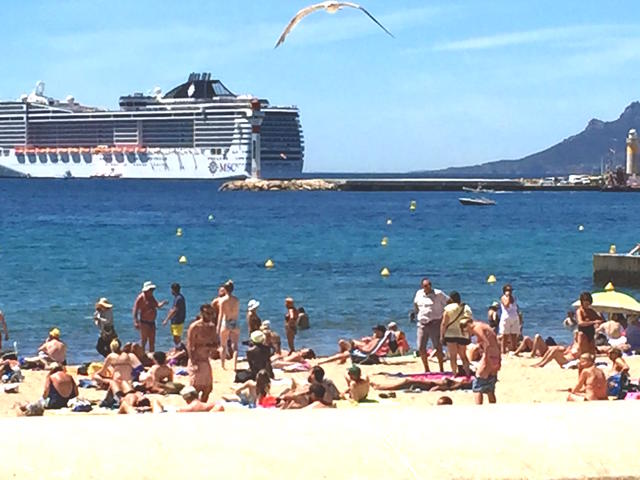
column 491, row 279
column 612, row 249
column 384, row 241
column 182, row 259
column 269, row 263
column 178, row 232
column 211, row 218
column 580, row 228
column 389, row 222
column 413, row 205
column 608, row 287
column 385, row 272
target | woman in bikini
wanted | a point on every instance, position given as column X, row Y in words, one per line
column 117, row 370
column 290, row 322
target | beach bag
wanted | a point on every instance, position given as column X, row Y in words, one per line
column 617, row 385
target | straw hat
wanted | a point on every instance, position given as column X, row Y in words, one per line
column 104, row 303
column 146, row 286
column 253, row 304
column 257, row 337
column 54, row 332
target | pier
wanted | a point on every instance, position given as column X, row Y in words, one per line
column 397, row 185
column 621, row 269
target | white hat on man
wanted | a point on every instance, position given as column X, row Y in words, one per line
column 253, row 304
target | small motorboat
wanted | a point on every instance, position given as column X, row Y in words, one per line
column 478, row 202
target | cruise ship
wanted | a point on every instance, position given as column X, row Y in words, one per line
column 197, row 130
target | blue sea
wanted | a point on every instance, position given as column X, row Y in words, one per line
column 65, row 243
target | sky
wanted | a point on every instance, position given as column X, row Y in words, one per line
column 462, row 82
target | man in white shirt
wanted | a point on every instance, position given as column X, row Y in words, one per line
column 429, row 304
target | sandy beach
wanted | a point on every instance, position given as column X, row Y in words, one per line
column 368, row 440
column 518, row 383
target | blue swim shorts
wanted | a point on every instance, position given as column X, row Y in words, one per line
column 485, row 385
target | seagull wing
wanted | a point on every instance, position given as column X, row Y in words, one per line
column 355, row 5
column 295, row 20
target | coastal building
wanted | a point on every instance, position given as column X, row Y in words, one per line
column 199, row 130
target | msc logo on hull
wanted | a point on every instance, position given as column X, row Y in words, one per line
column 223, row 167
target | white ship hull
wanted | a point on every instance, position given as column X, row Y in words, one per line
column 186, row 163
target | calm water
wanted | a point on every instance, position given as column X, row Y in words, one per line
column 64, row 244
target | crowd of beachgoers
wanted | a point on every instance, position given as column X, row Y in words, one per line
column 136, row 378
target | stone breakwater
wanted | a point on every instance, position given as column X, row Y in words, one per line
column 255, row 185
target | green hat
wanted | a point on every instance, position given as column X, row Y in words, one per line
column 354, row 371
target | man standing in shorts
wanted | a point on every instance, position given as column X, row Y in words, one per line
column 429, row 304
column 487, row 372
column 201, row 342
column 177, row 314
column 145, row 310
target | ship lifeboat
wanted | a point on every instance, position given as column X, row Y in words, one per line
column 115, row 149
column 29, row 150
column 85, row 150
column 129, row 149
column 73, row 150
column 19, row 150
column 40, row 150
column 141, row 149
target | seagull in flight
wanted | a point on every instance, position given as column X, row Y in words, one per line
column 330, row 7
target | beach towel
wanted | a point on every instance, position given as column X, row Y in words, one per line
column 297, row 367
column 423, row 376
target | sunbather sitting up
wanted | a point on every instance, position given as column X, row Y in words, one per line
column 592, row 383
column 59, row 387
column 316, row 397
column 358, row 386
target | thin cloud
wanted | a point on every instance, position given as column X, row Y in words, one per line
column 542, row 35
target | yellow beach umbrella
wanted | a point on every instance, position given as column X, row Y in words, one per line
column 613, row 302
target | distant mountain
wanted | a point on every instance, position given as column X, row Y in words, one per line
column 581, row 153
